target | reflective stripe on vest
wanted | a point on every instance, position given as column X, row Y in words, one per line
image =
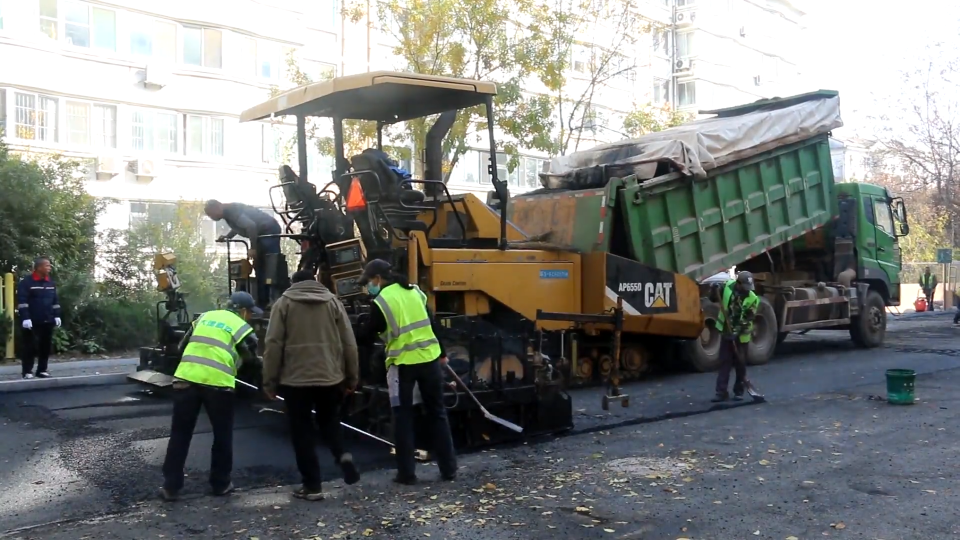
column 750, row 302
column 409, row 337
column 211, row 355
column 926, row 280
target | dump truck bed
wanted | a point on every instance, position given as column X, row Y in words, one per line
column 691, row 225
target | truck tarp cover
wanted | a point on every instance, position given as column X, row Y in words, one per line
column 694, row 149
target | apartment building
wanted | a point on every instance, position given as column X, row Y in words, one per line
column 148, row 94
column 728, row 52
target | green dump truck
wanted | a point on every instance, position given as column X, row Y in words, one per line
column 751, row 188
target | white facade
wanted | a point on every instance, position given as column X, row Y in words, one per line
column 853, row 159
column 731, row 52
column 150, row 93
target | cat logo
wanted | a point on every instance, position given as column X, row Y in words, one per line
column 657, row 295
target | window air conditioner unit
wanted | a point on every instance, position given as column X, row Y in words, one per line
column 757, row 80
column 155, row 76
column 686, row 18
column 108, row 166
column 684, row 64
column 145, row 169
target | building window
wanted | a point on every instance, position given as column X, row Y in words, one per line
column 49, row 20
column 35, row 117
column 270, row 153
column 502, row 173
column 531, row 171
column 318, row 71
column 687, row 93
column 661, row 91
column 685, row 44
column 686, row 3
column 247, row 63
column 204, row 136
column 91, row 124
column 272, row 60
column 154, row 131
column 202, row 47
column 580, row 61
column 151, row 38
column 83, row 25
column 661, row 41
column 154, row 213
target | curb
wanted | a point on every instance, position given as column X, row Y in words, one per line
column 31, row 385
column 73, row 365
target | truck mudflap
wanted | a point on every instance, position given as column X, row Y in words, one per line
column 655, row 302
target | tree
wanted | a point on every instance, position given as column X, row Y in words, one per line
column 650, row 119
column 45, row 211
column 928, row 220
column 492, row 40
column 920, row 137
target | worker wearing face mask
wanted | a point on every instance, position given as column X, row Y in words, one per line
column 414, row 357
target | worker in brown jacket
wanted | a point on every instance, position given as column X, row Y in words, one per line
column 310, row 359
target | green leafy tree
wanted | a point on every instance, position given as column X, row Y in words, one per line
column 45, row 211
column 491, row 40
column 650, row 119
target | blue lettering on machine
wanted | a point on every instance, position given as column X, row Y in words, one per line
column 554, row 274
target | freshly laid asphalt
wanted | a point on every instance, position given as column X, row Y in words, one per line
column 825, row 456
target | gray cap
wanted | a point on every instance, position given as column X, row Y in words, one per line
column 243, row 300
column 745, row 280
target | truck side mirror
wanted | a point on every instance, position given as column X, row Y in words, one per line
column 904, row 228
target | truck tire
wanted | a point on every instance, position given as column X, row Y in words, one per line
column 703, row 354
column 764, row 340
column 868, row 329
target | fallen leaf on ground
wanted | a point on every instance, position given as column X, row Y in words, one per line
column 368, row 532
column 583, row 509
column 725, row 466
column 609, row 531
column 764, row 462
column 792, row 538
column 839, row 526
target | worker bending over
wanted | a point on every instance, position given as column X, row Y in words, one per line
column 211, row 353
column 414, row 357
column 253, row 224
column 738, row 307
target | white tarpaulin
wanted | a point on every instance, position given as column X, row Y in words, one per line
column 695, row 148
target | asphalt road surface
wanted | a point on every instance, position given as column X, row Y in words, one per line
column 824, row 457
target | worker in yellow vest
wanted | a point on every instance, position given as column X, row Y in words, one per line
column 414, row 358
column 738, row 307
column 211, row 353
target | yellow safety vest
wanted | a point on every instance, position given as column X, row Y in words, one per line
column 211, row 354
column 749, row 303
column 409, row 338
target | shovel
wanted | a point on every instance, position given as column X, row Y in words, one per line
column 487, row 414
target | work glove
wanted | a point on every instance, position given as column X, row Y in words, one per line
column 28, row 324
column 56, row 320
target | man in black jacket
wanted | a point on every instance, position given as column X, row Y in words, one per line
column 39, row 310
column 253, row 224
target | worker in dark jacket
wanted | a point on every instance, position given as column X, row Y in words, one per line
column 39, row 310
column 253, row 224
column 414, row 358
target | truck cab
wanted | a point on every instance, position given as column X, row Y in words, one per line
column 881, row 220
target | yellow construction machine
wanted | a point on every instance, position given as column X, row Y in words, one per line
column 517, row 313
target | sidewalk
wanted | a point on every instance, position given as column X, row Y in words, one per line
column 75, row 368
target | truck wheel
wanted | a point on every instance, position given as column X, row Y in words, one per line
column 764, row 339
column 869, row 328
column 703, row 354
